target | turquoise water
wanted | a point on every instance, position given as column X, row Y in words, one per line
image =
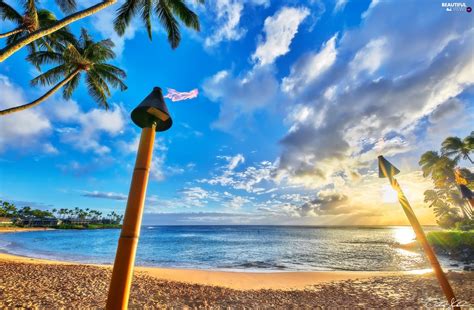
column 258, row 248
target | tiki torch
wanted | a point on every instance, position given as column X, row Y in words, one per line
column 151, row 115
column 387, row 170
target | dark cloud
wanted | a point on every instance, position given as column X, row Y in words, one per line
column 373, row 114
column 325, row 204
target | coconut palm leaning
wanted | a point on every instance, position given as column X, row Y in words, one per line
column 67, row 6
column 88, row 57
column 458, row 149
column 166, row 10
column 32, row 20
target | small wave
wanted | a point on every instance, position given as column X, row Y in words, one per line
column 368, row 242
column 255, row 265
column 4, row 245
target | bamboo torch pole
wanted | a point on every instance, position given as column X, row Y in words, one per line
column 122, row 273
column 151, row 115
column 387, row 170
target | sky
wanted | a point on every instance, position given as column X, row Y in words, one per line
column 296, row 101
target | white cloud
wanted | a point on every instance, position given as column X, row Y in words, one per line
column 245, row 179
column 310, row 67
column 370, row 57
column 280, row 29
column 21, row 130
column 91, row 125
column 228, row 13
column 105, row 195
column 237, row 202
column 240, row 96
column 340, row 5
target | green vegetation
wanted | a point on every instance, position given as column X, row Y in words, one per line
column 449, row 207
column 451, row 239
column 457, row 244
column 58, row 218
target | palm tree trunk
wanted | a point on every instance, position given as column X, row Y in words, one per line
column 10, row 33
column 42, row 98
column 14, row 47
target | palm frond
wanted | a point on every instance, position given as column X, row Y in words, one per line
column 70, row 86
column 67, row 6
column 188, row 17
column 99, row 52
column 16, row 37
column 45, row 57
column 169, row 23
column 9, row 13
column 51, row 76
column 125, row 14
column 96, row 91
column 72, row 55
column 109, row 74
column 146, row 16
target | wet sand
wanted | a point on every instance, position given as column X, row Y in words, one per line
column 35, row 283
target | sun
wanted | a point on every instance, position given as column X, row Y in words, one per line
column 389, row 195
column 404, row 235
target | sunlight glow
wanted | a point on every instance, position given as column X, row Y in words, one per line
column 404, row 235
column 389, row 195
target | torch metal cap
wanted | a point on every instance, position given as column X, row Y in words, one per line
column 386, row 168
column 151, row 110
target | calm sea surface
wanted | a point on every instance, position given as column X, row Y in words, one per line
column 255, row 248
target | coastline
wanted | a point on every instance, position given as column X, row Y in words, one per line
column 13, row 229
column 238, row 280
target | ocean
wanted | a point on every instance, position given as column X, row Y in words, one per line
column 249, row 248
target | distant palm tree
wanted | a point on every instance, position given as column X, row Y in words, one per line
column 31, row 21
column 457, row 148
column 86, row 56
column 165, row 10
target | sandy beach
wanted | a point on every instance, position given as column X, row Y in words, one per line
column 10, row 229
column 36, row 283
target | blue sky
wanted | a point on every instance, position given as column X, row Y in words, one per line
column 297, row 99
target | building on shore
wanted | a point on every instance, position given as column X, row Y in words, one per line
column 37, row 222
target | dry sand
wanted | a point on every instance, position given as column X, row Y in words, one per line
column 9, row 229
column 35, row 283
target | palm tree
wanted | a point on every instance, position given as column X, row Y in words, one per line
column 432, row 197
column 86, row 56
column 457, row 148
column 165, row 10
column 31, row 21
column 65, row 5
column 444, row 209
column 428, row 162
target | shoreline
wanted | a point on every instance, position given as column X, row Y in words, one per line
column 238, row 280
column 13, row 229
